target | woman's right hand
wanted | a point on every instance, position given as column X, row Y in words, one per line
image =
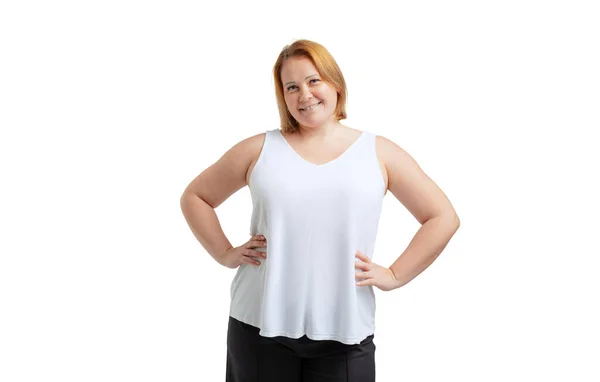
column 244, row 254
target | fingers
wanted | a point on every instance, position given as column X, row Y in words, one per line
column 361, row 275
column 366, row 268
column 362, row 256
column 257, row 244
column 252, row 252
column 257, row 241
column 361, row 265
column 249, row 255
column 250, row 261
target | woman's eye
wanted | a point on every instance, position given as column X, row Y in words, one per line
column 291, row 87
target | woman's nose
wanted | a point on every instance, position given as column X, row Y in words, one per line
column 305, row 95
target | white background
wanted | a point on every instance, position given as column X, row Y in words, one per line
column 109, row 109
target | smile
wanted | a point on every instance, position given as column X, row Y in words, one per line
column 309, row 108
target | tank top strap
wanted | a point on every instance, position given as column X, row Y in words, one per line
column 364, row 148
column 276, row 148
column 365, row 145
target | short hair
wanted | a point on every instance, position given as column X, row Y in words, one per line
column 328, row 70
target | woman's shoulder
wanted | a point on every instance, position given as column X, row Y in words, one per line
column 252, row 143
column 387, row 150
column 251, row 148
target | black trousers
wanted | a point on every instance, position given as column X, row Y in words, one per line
column 254, row 358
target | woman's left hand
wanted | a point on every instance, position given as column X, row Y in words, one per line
column 374, row 274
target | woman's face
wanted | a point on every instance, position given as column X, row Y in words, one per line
column 310, row 100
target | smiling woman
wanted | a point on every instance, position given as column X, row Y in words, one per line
column 304, row 312
column 307, row 77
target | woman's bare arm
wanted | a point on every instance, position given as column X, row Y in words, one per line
column 211, row 188
column 426, row 202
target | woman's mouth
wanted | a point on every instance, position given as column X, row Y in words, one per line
column 311, row 107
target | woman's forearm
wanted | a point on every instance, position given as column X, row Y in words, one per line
column 429, row 241
column 205, row 225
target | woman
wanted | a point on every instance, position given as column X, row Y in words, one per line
column 306, row 311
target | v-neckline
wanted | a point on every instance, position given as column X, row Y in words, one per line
column 363, row 133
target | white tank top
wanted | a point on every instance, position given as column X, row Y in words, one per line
column 315, row 218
